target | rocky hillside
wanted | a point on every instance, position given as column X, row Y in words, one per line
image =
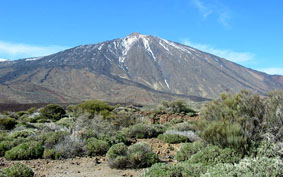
column 137, row 68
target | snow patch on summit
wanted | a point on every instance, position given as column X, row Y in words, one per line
column 147, row 47
column 2, row 60
column 127, row 43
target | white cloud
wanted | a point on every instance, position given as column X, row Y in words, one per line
column 214, row 8
column 239, row 57
column 278, row 71
column 204, row 10
column 17, row 50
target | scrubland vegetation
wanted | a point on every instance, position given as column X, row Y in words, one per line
column 234, row 135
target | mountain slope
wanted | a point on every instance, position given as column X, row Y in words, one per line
column 137, row 68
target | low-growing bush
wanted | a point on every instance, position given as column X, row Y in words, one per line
column 159, row 129
column 266, row 149
column 141, row 131
column 184, row 126
column 164, row 170
column 116, row 138
column 173, row 138
column 3, row 136
column 211, row 155
column 71, row 146
column 25, row 151
column 140, row 155
column 97, row 147
column 178, row 106
column 117, row 156
column 248, row 167
column 21, row 134
column 179, row 170
column 7, row 123
column 51, row 154
column 67, row 122
column 53, row 112
column 189, row 149
column 4, row 146
column 17, row 170
column 136, row 156
column 52, row 138
column 95, row 107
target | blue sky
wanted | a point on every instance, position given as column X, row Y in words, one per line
column 248, row 32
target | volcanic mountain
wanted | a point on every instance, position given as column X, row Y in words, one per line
column 137, row 68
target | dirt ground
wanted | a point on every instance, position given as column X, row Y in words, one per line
column 94, row 166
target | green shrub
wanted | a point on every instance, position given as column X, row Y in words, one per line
column 273, row 117
column 51, row 154
column 21, row 134
column 173, row 138
column 159, row 129
column 189, row 149
column 141, row 131
column 4, row 146
column 184, row 126
column 3, row 136
column 31, row 110
column 52, row 138
column 136, row 156
column 225, row 134
column 21, row 113
column 97, row 147
column 116, row 138
column 266, row 149
column 234, row 121
column 178, row 106
column 7, row 123
column 95, row 107
column 165, row 170
column 53, row 112
column 140, row 155
column 117, row 156
column 212, row 155
column 18, row 170
column 193, row 169
column 67, row 122
column 179, row 170
column 247, row 167
column 25, row 151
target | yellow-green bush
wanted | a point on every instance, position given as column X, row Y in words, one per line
column 7, row 123
column 25, row 151
column 173, row 138
column 189, row 149
column 17, row 170
column 97, row 147
column 138, row 155
column 53, row 112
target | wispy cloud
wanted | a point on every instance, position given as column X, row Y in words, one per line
column 16, row 50
column 238, row 57
column 214, row 8
column 204, row 10
column 278, row 71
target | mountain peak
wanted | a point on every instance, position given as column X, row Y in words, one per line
column 135, row 34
